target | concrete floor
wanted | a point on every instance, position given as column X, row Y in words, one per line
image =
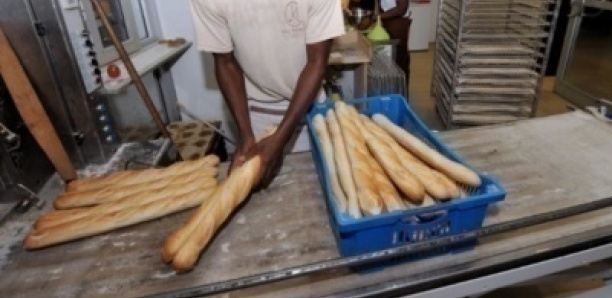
column 550, row 104
column 421, row 70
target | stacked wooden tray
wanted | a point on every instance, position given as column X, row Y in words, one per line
column 490, row 59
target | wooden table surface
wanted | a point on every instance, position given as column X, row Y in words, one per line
column 545, row 164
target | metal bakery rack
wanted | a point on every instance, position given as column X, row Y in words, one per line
column 490, row 59
column 385, row 77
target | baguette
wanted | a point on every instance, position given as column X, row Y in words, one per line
column 322, row 132
column 386, row 189
column 435, row 183
column 429, row 201
column 453, row 190
column 56, row 218
column 102, row 223
column 61, row 213
column 212, row 214
column 432, row 181
column 134, row 177
column 454, row 170
column 392, row 199
column 76, row 199
column 406, row 181
column 344, row 167
column 430, row 178
column 367, row 193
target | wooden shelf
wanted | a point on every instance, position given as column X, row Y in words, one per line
column 351, row 48
column 144, row 61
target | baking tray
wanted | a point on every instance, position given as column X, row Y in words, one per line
column 497, row 61
column 492, row 109
column 501, row 99
column 486, row 91
column 496, row 49
column 502, row 72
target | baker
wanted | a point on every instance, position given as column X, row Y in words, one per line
column 270, row 58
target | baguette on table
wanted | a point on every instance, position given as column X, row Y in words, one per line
column 320, row 127
column 184, row 246
column 59, row 217
column 433, row 182
column 367, row 193
column 112, row 193
column 134, row 177
column 343, row 165
column 454, row 170
column 101, row 223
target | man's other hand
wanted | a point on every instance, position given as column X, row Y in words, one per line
column 244, row 146
column 271, row 152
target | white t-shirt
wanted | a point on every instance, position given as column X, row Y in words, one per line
column 268, row 37
column 387, row 5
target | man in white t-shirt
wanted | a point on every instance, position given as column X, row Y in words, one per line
column 270, row 58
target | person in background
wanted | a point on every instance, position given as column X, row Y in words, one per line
column 270, row 58
column 393, row 16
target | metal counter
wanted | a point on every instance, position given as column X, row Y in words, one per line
column 546, row 164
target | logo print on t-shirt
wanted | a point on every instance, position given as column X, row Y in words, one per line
column 292, row 14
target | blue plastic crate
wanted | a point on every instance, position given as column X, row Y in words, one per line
column 388, row 230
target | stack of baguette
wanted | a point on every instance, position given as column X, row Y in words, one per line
column 375, row 166
column 183, row 247
column 97, row 205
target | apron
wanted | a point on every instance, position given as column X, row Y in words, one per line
column 266, row 116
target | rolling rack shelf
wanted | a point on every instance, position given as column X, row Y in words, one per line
column 490, row 59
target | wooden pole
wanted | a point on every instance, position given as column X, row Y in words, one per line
column 31, row 110
column 142, row 90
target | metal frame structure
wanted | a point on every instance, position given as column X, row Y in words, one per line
column 127, row 9
column 490, row 59
column 562, row 86
column 385, row 77
column 40, row 37
column 57, row 46
column 546, row 266
column 521, row 274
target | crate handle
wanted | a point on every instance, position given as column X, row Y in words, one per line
column 426, row 218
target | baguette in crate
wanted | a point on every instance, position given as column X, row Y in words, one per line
column 389, row 180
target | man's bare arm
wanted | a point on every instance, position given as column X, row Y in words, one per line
column 270, row 149
column 307, row 88
column 231, row 81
